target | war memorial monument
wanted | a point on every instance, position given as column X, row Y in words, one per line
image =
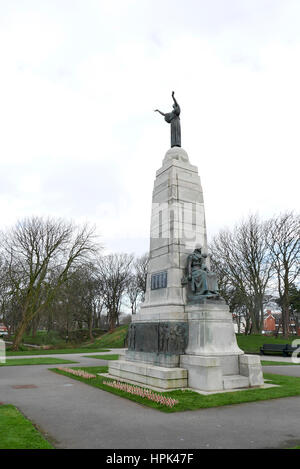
column 183, row 336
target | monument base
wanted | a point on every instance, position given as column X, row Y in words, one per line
column 212, row 360
column 200, row 373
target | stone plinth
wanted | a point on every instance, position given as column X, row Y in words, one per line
column 211, row 330
column 250, row 366
column 204, row 373
column 213, row 359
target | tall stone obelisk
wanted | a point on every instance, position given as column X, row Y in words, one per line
column 177, row 226
column 182, row 337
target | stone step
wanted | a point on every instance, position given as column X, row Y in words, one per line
column 143, row 373
column 235, row 381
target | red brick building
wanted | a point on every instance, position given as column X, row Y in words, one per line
column 270, row 322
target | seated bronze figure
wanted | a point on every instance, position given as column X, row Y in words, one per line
column 201, row 282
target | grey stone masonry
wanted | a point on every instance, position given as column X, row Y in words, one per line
column 158, row 376
column 177, row 226
column 211, row 331
column 171, row 343
column 250, row 366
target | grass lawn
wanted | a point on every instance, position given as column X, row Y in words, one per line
column 16, row 432
column 190, row 400
column 273, row 363
column 113, row 339
column 9, row 353
column 105, row 357
column 35, row 361
column 252, row 343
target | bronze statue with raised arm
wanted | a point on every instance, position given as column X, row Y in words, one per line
column 173, row 119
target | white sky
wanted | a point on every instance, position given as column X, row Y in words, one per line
column 79, row 80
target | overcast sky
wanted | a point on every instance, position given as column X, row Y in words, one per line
column 79, row 80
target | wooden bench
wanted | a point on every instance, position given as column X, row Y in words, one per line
column 284, row 349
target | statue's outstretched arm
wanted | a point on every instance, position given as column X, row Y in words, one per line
column 157, row 110
column 174, row 99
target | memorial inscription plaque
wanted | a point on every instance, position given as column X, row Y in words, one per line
column 159, row 280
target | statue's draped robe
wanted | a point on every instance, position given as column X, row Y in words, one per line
column 174, row 119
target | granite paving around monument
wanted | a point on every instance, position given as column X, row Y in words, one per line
column 282, row 386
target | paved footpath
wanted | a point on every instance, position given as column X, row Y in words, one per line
column 75, row 415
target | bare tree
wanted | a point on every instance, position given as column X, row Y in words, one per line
column 243, row 259
column 39, row 256
column 134, row 293
column 284, row 245
column 80, row 294
column 9, row 308
column 114, row 275
column 137, row 285
column 141, row 269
